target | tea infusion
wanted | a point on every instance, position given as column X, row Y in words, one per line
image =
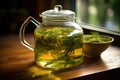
column 58, row 48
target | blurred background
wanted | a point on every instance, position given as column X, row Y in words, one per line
column 103, row 13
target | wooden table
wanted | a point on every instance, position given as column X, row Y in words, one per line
column 17, row 62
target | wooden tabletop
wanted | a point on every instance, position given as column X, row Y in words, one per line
column 17, row 62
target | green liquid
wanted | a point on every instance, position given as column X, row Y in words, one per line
column 58, row 48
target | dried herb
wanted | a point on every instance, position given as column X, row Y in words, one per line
column 94, row 37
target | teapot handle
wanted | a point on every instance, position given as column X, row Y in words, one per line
column 22, row 31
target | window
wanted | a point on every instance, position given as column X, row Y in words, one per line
column 104, row 13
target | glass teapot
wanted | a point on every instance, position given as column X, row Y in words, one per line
column 58, row 39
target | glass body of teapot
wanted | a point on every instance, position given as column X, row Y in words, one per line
column 58, row 40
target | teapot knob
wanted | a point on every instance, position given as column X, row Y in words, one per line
column 58, row 8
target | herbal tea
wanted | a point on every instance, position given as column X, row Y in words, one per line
column 58, row 47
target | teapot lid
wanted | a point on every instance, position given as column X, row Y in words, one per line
column 58, row 13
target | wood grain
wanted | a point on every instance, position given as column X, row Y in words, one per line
column 18, row 61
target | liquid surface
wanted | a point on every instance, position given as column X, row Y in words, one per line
column 58, row 48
